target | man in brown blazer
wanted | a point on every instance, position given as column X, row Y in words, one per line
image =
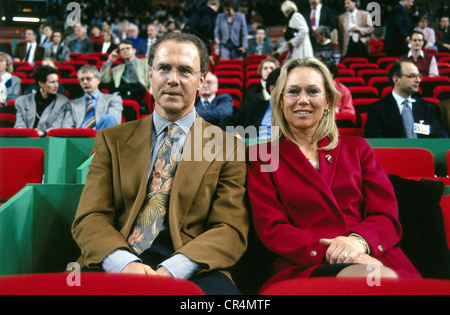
column 354, row 25
column 205, row 226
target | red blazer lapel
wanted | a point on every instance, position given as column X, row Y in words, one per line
column 322, row 180
column 328, row 161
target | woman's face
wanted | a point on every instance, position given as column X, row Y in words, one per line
column 51, row 85
column 3, row 64
column 56, row 38
column 304, row 100
column 106, row 37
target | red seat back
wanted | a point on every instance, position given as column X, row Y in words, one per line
column 72, row 132
column 95, row 283
column 406, row 162
column 19, row 166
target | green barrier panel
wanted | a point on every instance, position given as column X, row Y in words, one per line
column 83, row 170
column 62, row 155
column 35, row 229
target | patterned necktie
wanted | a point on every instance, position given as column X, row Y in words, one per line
column 89, row 118
column 151, row 217
column 206, row 104
column 132, row 76
column 408, row 120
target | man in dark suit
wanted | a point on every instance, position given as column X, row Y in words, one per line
column 318, row 14
column 203, row 21
column 30, row 51
column 144, row 46
column 212, row 107
column 399, row 114
column 398, row 30
column 256, row 113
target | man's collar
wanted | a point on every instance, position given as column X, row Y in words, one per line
column 185, row 123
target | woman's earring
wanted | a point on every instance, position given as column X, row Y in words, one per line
column 326, row 112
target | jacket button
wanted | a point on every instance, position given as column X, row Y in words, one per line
column 313, row 253
column 380, row 248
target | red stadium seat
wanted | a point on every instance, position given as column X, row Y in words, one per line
column 19, row 132
column 131, row 110
column 66, row 70
column 367, row 74
column 378, row 82
column 361, row 106
column 358, row 286
column 230, row 83
column 345, row 73
column 383, row 62
column 73, row 87
column 348, row 81
column 72, row 132
column 252, row 81
column 7, row 120
column 406, row 162
column 229, row 74
column 352, row 60
column 363, row 92
column 359, row 132
column 429, row 83
column 442, row 92
column 236, row 94
column 95, row 283
column 20, row 166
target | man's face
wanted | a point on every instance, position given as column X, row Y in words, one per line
column 47, row 31
column 175, row 79
column 29, row 36
column 349, row 5
column 210, row 86
column 260, row 35
column 314, row 3
column 416, row 42
column 267, row 68
column 127, row 51
column 89, row 83
column 408, row 4
column 409, row 81
column 152, row 32
column 443, row 23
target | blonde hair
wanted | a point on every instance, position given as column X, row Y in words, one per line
column 327, row 125
column 9, row 64
column 288, row 7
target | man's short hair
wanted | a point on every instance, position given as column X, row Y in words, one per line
column 127, row 42
column 89, row 68
column 324, row 30
column 272, row 78
column 181, row 37
column 396, row 70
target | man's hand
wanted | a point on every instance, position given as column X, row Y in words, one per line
column 138, row 268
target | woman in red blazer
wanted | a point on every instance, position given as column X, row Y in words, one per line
column 326, row 206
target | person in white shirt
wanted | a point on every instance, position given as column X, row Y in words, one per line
column 428, row 33
column 426, row 63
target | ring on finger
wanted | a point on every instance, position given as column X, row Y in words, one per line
column 345, row 254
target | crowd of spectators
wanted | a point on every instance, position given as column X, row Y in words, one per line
column 333, row 30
